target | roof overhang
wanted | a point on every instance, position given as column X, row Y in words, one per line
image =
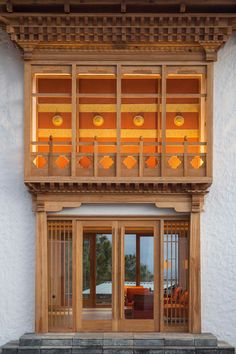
column 193, row 29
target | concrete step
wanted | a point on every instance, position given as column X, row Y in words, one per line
column 118, row 343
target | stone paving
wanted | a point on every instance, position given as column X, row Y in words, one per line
column 118, row 343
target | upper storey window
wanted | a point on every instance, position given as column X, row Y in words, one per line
column 119, row 121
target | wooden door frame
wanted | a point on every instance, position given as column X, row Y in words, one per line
column 41, row 318
column 140, row 324
column 94, row 325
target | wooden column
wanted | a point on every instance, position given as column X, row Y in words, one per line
column 41, row 288
column 73, row 123
column 27, row 118
column 195, row 267
column 115, row 277
column 163, row 121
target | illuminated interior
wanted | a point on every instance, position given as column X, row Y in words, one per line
column 119, row 115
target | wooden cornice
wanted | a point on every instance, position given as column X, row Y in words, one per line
column 186, row 33
column 116, row 188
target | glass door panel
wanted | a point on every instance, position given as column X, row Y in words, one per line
column 139, row 274
column 97, row 275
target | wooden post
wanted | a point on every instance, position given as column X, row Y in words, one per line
column 118, row 121
column 185, row 157
column 50, row 156
column 28, row 120
column 77, row 269
column 73, row 123
column 141, row 156
column 95, row 157
column 41, row 284
column 195, row 267
column 209, row 120
column 115, row 277
column 163, row 121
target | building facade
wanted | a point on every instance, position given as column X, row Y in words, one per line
column 127, row 121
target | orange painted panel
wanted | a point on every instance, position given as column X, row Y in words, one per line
column 86, row 121
column 53, row 100
column 96, row 85
column 183, row 85
column 53, row 85
column 139, row 86
column 150, row 121
column 191, row 121
column 45, row 121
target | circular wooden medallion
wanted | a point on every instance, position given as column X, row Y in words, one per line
column 179, row 120
column 57, row 120
column 138, row 121
column 98, row 120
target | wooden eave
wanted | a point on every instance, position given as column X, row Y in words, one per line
column 192, row 30
column 126, row 188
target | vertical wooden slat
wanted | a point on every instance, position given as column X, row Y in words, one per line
column 138, row 265
column 163, row 121
column 73, row 123
column 209, row 119
column 161, row 274
column 115, row 277
column 95, row 157
column 157, row 289
column 118, row 121
column 195, row 275
column 27, row 116
column 122, row 272
column 141, row 157
column 77, row 267
column 41, row 291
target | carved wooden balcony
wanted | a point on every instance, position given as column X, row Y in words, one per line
column 119, row 124
column 127, row 162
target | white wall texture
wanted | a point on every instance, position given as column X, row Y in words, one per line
column 17, row 246
column 218, row 231
column 16, row 217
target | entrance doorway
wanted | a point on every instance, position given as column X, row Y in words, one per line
column 118, row 275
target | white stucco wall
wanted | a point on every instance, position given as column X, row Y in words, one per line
column 16, row 217
column 218, row 231
column 17, row 247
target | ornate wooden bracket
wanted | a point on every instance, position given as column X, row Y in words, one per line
column 184, row 32
column 197, row 203
column 45, row 206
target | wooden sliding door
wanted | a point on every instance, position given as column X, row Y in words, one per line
column 118, row 275
column 139, row 276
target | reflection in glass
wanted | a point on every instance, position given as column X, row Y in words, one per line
column 139, row 275
column 97, row 276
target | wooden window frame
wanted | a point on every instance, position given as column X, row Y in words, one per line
column 165, row 67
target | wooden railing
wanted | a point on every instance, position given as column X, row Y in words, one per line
column 128, row 160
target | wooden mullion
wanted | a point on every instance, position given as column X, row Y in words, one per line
column 115, row 276
column 161, row 274
column 77, row 269
column 138, row 261
column 27, row 115
column 209, row 120
column 118, row 121
column 157, row 289
column 163, row 120
column 73, row 118
column 122, row 273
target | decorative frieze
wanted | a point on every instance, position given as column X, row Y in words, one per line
column 154, row 32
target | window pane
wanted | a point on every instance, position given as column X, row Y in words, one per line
column 139, row 275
